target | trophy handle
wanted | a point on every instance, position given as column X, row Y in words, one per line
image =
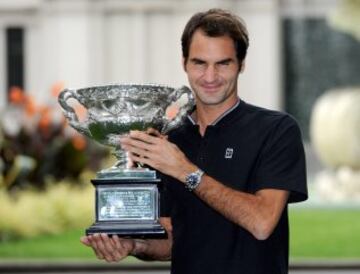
column 70, row 113
column 183, row 110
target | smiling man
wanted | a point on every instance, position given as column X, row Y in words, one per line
column 230, row 170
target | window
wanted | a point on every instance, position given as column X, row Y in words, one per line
column 15, row 57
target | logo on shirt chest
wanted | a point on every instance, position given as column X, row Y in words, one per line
column 229, row 153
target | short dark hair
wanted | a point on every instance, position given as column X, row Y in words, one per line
column 216, row 23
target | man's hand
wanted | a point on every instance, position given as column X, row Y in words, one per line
column 153, row 149
column 114, row 249
column 110, row 249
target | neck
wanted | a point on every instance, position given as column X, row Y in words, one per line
column 206, row 115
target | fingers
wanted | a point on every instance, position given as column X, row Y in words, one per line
column 124, row 246
column 154, row 132
column 141, row 145
column 151, row 136
column 109, row 250
column 144, row 141
column 133, row 144
column 104, row 247
column 116, row 241
column 152, row 151
column 138, row 144
column 92, row 239
column 130, row 162
column 85, row 241
column 142, row 160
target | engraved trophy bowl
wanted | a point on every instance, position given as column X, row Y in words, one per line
column 127, row 197
column 114, row 110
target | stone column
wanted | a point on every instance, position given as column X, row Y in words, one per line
column 66, row 38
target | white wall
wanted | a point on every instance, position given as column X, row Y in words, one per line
column 86, row 42
column 261, row 81
column 152, row 50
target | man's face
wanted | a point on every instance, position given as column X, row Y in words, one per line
column 212, row 69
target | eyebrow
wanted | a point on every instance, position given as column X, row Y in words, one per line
column 198, row 60
column 227, row 60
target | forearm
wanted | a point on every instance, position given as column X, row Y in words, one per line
column 234, row 205
column 241, row 208
column 149, row 250
column 254, row 212
column 155, row 249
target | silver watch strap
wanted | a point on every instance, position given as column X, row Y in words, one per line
column 193, row 180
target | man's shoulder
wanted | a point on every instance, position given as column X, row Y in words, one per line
column 264, row 117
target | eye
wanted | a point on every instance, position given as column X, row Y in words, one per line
column 198, row 62
column 225, row 63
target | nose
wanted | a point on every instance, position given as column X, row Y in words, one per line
column 210, row 74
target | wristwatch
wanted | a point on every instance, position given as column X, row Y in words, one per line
column 192, row 180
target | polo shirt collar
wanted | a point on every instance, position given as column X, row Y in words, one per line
column 221, row 117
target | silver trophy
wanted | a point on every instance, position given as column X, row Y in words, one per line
column 127, row 197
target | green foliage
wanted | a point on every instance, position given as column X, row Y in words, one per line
column 325, row 233
column 315, row 233
column 65, row 245
column 32, row 212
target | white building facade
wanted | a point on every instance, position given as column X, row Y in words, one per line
column 91, row 42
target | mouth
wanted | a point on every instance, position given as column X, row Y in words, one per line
column 211, row 87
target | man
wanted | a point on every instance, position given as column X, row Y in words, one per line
column 229, row 171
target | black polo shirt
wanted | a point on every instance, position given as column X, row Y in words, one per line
column 248, row 149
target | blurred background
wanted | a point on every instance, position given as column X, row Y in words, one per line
column 304, row 58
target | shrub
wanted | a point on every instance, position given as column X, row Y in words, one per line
column 62, row 206
column 36, row 143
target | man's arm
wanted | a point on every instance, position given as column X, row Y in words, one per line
column 155, row 249
column 114, row 249
column 258, row 213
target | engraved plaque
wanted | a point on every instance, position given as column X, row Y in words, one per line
column 127, row 203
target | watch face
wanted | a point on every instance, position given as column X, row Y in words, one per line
column 192, row 179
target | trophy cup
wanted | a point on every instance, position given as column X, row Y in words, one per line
column 127, row 199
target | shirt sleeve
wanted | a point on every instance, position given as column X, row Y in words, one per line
column 281, row 162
